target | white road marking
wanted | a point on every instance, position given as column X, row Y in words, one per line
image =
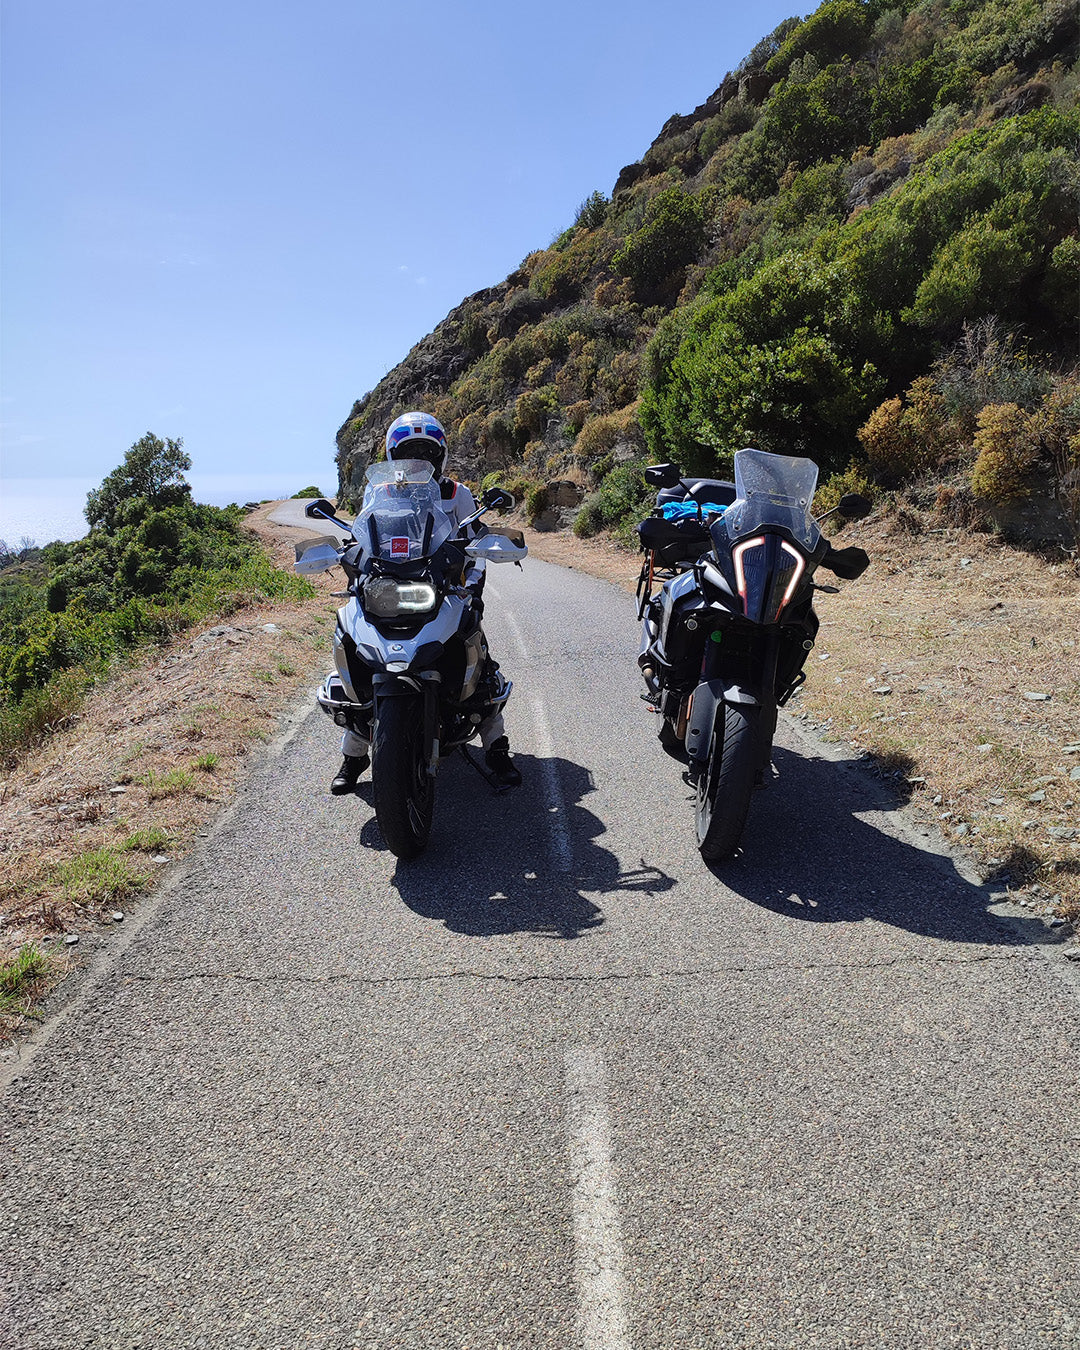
column 598, row 1255
column 507, row 615
column 515, row 632
column 556, row 805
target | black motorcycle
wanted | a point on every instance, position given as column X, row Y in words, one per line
column 725, row 637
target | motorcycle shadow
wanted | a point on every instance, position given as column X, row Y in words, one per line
column 516, row 862
column 807, row 854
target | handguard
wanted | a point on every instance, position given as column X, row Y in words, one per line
column 847, row 563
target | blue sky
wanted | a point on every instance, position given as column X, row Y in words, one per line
column 224, row 222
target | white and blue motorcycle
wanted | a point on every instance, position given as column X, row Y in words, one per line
column 412, row 672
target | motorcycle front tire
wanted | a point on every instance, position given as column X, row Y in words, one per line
column 403, row 789
column 727, row 781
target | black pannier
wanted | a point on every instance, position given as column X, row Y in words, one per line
column 673, row 541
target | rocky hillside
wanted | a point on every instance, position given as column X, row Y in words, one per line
column 861, row 247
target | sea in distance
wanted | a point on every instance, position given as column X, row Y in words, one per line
column 45, row 509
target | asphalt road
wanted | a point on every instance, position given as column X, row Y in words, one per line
column 556, row 1084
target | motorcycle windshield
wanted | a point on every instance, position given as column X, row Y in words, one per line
column 771, row 490
column 402, row 517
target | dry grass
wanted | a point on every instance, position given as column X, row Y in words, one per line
column 150, row 757
column 978, row 646
column 958, row 627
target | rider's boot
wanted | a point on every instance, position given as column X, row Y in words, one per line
column 352, row 766
column 501, row 766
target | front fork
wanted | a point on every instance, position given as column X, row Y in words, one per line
column 407, row 684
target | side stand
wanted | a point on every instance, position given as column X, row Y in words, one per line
column 497, row 788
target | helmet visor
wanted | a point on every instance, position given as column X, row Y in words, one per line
column 418, row 447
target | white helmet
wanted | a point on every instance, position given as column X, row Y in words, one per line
column 417, row 435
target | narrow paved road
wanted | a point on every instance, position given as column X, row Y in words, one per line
column 556, row 1084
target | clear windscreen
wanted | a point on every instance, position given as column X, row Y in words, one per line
column 403, row 503
column 772, row 490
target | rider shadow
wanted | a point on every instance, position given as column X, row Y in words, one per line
column 519, row 861
column 807, row 855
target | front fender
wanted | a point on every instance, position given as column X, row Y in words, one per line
column 708, row 698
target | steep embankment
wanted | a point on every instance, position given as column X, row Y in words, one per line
column 861, row 247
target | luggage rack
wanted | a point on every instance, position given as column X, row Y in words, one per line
column 670, row 547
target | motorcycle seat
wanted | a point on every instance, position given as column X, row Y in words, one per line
column 714, row 490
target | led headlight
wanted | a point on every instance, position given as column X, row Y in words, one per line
column 385, row 598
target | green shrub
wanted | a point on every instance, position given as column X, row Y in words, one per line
column 733, row 119
column 1058, row 425
column 562, row 272
column 837, row 485
column 601, row 434
column 623, row 499
column 836, row 29
column 306, row 492
column 982, row 267
column 575, row 416
column 819, row 119
column 1060, row 284
column 894, row 453
column 592, row 212
column 537, row 501
column 672, row 235
column 28, row 721
column 767, row 381
column 1008, row 449
column 532, row 410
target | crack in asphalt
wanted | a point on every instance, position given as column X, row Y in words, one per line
column 613, row 976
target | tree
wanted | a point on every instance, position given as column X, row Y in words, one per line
column 152, row 471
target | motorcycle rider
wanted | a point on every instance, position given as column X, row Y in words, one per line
column 417, row 435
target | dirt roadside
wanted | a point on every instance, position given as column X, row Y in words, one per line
column 89, row 821
column 952, row 663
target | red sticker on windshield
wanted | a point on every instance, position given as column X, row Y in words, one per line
column 399, row 546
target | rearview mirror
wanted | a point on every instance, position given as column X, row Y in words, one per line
column 854, row 506
column 663, row 475
column 319, row 509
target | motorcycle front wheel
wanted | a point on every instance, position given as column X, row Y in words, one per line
column 404, row 791
column 727, row 781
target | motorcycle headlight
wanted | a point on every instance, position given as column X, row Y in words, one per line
column 385, row 598
column 767, row 573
